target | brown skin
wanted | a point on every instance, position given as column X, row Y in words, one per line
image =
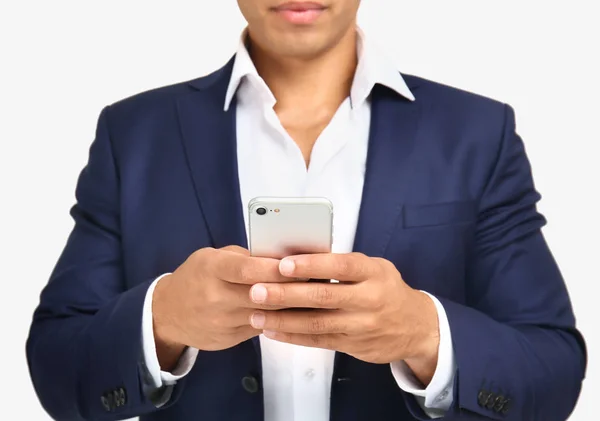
column 309, row 68
column 213, row 302
column 206, row 302
column 209, row 302
column 372, row 314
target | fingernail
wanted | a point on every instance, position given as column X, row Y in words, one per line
column 258, row 294
column 257, row 320
column 287, row 266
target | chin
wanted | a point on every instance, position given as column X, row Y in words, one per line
column 303, row 53
column 303, row 46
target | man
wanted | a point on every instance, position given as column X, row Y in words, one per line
column 449, row 303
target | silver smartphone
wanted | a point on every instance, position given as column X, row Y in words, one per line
column 287, row 226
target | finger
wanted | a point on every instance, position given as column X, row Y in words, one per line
column 333, row 341
column 309, row 295
column 237, row 249
column 313, row 322
column 246, row 332
column 237, row 268
column 238, row 296
column 232, row 319
column 355, row 267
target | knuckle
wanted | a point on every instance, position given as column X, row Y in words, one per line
column 212, row 297
column 328, row 342
column 317, row 325
column 359, row 260
column 380, row 260
column 280, row 294
column 371, row 296
column 367, row 302
column 343, row 265
column 204, row 258
column 347, row 298
column 370, row 323
column 320, row 295
column 241, row 330
column 236, row 249
column 384, row 264
column 245, row 273
column 375, row 299
column 377, row 296
column 203, row 253
column 278, row 322
column 219, row 320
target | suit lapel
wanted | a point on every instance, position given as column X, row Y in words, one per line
column 209, row 140
column 393, row 134
column 392, row 138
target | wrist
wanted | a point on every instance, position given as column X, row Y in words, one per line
column 169, row 346
column 161, row 312
column 423, row 361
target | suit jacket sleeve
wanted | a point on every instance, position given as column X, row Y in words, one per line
column 85, row 347
column 518, row 353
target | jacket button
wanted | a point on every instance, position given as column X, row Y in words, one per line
column 483, row 397
column 105, row 403
column 505, row 407
column 499, row 403
column 121, row 396
column 491, row 401
column 250, row 384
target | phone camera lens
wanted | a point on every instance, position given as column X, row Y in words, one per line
column 261, row 211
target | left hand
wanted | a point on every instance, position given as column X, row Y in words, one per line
column 372, row 314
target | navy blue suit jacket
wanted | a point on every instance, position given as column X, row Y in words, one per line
column 448, row 198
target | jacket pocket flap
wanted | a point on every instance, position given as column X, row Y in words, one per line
column 438, row 214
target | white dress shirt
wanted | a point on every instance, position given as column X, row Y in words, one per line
column 297, row 380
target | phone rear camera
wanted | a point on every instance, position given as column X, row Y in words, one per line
column 261, row 211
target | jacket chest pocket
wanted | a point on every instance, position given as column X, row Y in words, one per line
column 432, row 245
column 432, row 215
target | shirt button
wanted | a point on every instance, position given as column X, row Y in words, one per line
column 250, row 384
column 310, row 373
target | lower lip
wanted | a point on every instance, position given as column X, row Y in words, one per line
column 300, row 17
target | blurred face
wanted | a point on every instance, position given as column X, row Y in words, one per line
column 299, row 29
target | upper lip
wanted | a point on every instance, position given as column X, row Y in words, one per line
column 300, row 5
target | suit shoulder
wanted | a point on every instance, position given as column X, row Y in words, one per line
column 155, row 100
column 464, row 120
column 457, row 111
column 453, row 98
column 153, row 95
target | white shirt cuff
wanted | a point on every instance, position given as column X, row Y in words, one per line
column 437, row 398
column 186, row 361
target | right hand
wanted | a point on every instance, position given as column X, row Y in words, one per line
column 206, row 302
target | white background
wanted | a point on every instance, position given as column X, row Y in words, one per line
column 62, row 61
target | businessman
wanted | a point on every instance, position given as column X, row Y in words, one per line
column 449, row 304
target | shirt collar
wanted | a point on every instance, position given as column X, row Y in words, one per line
column 373, row 68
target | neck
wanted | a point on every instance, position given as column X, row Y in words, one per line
column 323, row 80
